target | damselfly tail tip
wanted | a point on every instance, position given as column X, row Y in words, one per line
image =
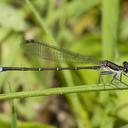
column 1, row 69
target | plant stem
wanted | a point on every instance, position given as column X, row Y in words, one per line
column 63, row 90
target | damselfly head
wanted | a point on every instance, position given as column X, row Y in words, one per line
column 125, row 64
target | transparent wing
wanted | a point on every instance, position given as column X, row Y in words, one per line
column 49, row 52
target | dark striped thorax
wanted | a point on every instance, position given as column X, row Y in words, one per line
column 110, row 66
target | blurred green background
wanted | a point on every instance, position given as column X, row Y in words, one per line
column 97, row 28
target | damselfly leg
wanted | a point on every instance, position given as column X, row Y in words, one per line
column 118, row 77
column 102, row 74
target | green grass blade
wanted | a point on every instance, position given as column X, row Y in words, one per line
column 63, row 90
column 14, row 116
column 110, row 27
column 110, row 34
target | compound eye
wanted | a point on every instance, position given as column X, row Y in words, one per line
column 125, row 64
